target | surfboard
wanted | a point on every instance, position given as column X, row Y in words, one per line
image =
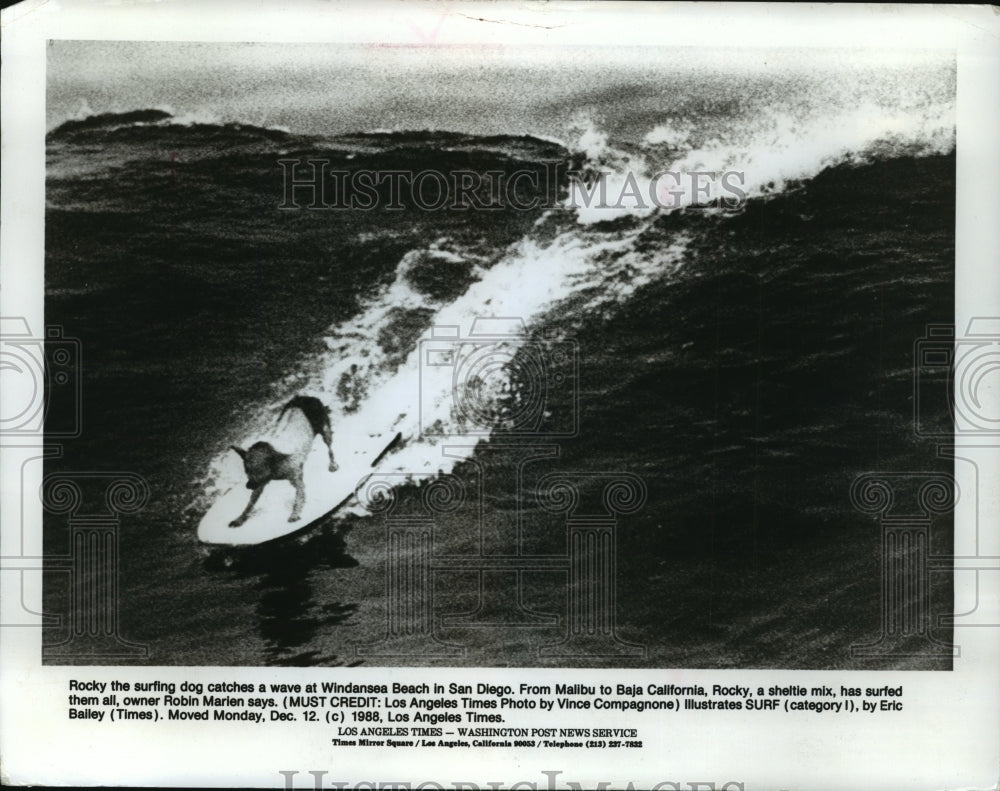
column 325, row 493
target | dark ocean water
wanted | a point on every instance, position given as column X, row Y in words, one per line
column 746, row 365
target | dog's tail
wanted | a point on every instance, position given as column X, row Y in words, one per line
column 316, row 412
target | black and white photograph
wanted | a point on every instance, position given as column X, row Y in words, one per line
column 563, row 359
column 493, row 377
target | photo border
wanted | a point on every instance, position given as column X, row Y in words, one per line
column 947, row 735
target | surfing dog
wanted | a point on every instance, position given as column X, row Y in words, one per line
column 307, row 417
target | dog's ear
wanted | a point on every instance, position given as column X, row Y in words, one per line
column 243, row 453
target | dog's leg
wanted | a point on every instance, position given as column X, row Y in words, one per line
column 300, row 495
column 254, row 497
column 327, row 434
